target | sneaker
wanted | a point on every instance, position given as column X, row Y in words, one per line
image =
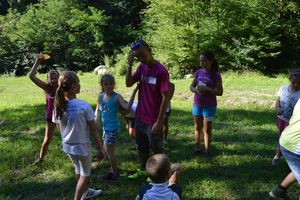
column 90, row 193
column 110, row 176
column 196, row 152
column 279, row 192
column 138, row 173
column 207, row 155
column 275, row 161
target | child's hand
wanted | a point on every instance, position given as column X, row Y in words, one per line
column 100, row 155
column 137, row 87
column 157, row 126
column 201, row 89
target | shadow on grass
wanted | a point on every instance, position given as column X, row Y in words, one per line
column 243, row 145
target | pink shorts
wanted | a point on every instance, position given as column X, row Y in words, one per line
column 281, row 125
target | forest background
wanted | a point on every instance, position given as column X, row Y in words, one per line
column 255, row 35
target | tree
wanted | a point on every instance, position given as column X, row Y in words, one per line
column 71, row 33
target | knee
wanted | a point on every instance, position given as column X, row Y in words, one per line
column 46, row 141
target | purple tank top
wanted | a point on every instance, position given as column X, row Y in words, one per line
column 49, row 106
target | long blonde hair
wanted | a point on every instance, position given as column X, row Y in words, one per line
column 65, row 82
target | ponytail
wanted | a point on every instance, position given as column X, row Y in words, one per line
column 60, row 103
column 65, row 82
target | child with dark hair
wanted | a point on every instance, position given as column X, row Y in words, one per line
column 153, row 100
column 288, row 96
column 165, row 180
column 207, row 84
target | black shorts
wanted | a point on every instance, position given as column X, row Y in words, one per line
column 145, row 139
column 131, row 122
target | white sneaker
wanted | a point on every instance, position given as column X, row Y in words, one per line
column 90, row 193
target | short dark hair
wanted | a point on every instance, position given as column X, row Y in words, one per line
column 158, row 168
column 294, row 73
column 139, row 43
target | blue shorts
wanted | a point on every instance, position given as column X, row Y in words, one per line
column 110, row 137
column 206, row 112
column 293, row 161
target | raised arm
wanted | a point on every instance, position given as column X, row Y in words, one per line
column 32, row 75
column 129, row 79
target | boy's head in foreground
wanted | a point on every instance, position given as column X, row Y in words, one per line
column 159, row 168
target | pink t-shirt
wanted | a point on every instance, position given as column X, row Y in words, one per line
column 153, row 81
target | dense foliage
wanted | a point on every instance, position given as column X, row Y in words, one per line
column 258, row 35
column 245, row 35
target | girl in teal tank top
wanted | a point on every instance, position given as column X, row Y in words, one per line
column 109, row 103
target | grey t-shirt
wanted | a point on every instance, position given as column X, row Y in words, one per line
column 287, row 103
column 74, row 127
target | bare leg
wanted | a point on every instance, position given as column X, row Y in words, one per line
column 81, row 187
column 207, row 134
column 50, row 128
column 166, row 127
column 131, row 132
column 110, row 150
column 198, row 122
column 288, row 180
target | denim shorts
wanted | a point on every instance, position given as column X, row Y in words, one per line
column 293, row 161
column 110, row 137
column 206, row 112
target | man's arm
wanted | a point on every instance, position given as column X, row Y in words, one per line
column 129, row 79
column 163, row 107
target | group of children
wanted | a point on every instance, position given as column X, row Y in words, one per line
column 76, row 120
column 147, row 120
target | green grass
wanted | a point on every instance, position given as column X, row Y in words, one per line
column 244, row 138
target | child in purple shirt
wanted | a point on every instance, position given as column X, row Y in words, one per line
column 49, row 87
column 153, row 100
column 207, row 84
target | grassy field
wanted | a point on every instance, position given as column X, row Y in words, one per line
column 244, row 139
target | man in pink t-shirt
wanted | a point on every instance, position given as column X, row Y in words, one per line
column 153, row 100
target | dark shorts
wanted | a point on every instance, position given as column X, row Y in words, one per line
column 131, row 122
column 145, row 139
column 167, row 114
column 49, row 120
